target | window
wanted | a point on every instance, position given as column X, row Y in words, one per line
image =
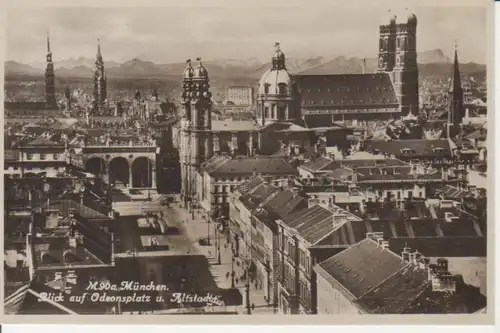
column 266, row 88
column 55, row 156
column 266, row 112
column 43, row 157
column 282, row 88
column 29, row 156
column 281, row 112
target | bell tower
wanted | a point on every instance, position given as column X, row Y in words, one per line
column 456, row 110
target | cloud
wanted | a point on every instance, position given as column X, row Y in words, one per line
column 173, row 33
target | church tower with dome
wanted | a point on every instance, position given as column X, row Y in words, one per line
column 276, row 98
column 398, row 57
column 196, row 124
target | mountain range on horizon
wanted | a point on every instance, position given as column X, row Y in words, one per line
column 81, row 67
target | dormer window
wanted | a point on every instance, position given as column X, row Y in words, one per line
column 282, row 88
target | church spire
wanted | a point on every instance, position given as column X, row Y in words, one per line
column 99, row 55
column 456, row 110
column 455, row 84
column 48, row 43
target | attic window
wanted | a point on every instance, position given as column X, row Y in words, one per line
column 406, row 150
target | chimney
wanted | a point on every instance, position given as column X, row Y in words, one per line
column 442, row 265
column 364, row 65
column 384, row 244
column 71, row 212
column 424, row 263
column 295, row 191
column 405, row 255
column 58, row 276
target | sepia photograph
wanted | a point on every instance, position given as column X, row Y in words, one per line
column 261, row 160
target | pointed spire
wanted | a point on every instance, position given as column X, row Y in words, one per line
column 99, row 55
column 455, row 84
column 48, row 42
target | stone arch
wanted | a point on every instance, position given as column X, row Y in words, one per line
column 95, row 165
column 119, row 172
column 142, row 168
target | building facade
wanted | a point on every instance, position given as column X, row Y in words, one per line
column 239, row 95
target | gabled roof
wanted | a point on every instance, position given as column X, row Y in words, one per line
column 315, row 223
column 396, row 294
column 347, row 90
column 361, row 267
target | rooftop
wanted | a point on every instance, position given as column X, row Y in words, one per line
column 361, row 267
column 347, row 90
column 249, row 166
column 409, row 148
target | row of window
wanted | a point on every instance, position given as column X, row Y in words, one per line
column 224, row 188
column 30, row 156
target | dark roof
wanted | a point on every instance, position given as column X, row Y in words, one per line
column 10, row 155
column 396, row 294
column 24, row 105
column 361, row 267
column 315, row 223
column 410, row 291
column 244, row 187
column 249, row 166
column 349, row 90
column 41, row 141
column 416, row 148
column 254, row 198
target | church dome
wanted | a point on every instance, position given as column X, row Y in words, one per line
column 275, row 82
column 412, row 19
column 200, row 71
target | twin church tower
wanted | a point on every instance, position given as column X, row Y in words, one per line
column 99, row 97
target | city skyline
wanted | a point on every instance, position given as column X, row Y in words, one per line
column 174, row 34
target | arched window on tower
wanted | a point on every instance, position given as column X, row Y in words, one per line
column 282, row 88
column 398, row 43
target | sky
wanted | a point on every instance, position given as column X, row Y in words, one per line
column 173, row 34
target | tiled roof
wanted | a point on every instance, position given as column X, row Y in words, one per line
column 248, row 166
column 362, row 266
column 350, row 90
column 249, row 185
column 255, row 197
column 396, row 294
column 285, row 203
column 316, row 222
column 416, row 148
